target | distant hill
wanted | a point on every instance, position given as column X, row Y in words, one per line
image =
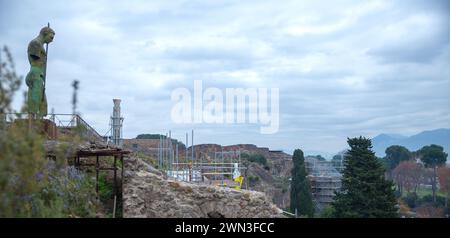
column 413, row 143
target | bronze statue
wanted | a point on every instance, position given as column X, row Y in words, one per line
column 35, row 79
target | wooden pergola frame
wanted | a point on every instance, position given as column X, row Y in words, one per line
column 117, row 154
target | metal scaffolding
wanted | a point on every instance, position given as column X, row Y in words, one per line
column 220, row 168
column 325, row 180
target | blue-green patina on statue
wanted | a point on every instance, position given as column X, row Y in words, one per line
column 35, row 79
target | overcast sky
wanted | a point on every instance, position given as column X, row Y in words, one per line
column 344, row 68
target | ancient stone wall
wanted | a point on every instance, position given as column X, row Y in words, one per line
column 149, row 193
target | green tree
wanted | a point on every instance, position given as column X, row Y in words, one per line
column 396, row 154
column 9, row 81
column 256, row 158
column 433, row 156
column 365, row 193
column 320, row 158
column 327, row 212
column 150, row 136
column 301, row 198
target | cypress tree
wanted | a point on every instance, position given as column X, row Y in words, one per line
column 301, row 198
column 365, row 193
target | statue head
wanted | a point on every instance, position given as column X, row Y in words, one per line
column 47, row 34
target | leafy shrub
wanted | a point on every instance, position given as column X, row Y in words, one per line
column 411, row 200
column 150, row 136
column 397, row 193
column 21, row 172
column 105, row 188
column 31, row 185
column 253, row 179
column 428, row 199
column 256, row 158
column 327, row 212
column 74, row 188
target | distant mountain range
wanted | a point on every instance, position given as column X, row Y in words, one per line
column 413, row 143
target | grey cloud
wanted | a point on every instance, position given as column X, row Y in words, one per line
column 419, row 51
column 363, row 69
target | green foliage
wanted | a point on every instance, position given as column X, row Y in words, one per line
column 428, row 199
column 150, row 136
column 20, row 161
column 397, row 193
column 433, row 155
column 106, row 194
column 327, row 212
column 396, row 154
column 365, row 193
column 74, row 188
column 424, row 197
column 9, row 81
column 149, row 159
column 30, row 184
column 256, row 158
column 105, row 187
column 319, row 158
column 383, row 163
column 253, row 179
column 301, row 197
column 411, row 199
column 422, row 192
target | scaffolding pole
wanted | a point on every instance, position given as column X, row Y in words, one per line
column 160, row 152
column 170, row 151
column 176, row 159
column 192, row 142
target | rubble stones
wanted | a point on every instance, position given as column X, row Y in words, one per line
column 147, row 192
